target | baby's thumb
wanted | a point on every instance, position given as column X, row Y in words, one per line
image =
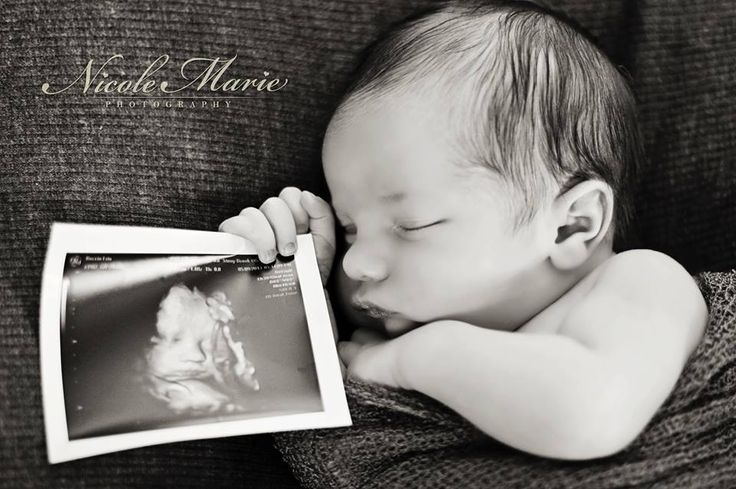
column 322, row 227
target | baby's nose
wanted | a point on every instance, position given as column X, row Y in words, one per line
column 364, row 265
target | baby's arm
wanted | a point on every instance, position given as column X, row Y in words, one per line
column 585, row 392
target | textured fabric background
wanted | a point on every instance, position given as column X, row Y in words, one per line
column 68, row 158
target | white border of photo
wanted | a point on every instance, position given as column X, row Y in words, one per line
column 92, row 238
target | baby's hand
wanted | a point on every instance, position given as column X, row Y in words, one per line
column 276, row 223
column 372, row 357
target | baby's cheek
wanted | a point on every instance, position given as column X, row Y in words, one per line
column 160, row 360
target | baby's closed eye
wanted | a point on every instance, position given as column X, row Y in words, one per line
column 416, row 226
column 402, row 229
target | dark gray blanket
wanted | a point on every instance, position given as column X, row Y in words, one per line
column 70, row 159
column 403, row 439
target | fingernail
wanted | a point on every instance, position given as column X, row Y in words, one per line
column 267, row 256
column 289, row 249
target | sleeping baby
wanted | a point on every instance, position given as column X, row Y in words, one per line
column 480, row 166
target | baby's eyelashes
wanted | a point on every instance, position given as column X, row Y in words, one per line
column 416, row 227
column 350, row 230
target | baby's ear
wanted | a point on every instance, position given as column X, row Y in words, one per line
column 583, row 217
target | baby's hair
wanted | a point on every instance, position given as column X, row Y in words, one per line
column 529, row 94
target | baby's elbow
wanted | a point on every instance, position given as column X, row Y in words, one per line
column 602, row 440
column 596, row 433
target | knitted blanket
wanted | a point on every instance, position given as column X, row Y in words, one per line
column 69, row 158
column 405, row 439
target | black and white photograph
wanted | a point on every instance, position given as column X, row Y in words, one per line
column 192, row 346
column 155, row 346
column 337, row 244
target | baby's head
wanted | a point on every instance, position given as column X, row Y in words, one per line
column 480, row 164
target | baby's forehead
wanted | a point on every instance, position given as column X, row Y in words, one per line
column 427, row 192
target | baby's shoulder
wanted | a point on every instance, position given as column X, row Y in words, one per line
column 651, row 284
column 647, row 272
column 641, row 296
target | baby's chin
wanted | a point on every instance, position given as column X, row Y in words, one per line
column 396, row 325
column 391, row 326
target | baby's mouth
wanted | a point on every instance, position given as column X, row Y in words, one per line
column 391, row 323
column 370, row 309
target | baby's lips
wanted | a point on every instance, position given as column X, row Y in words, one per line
column 371, row 309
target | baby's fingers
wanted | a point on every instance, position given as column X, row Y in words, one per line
column 282, row 222
column 292, row 196
column 322, row 227
column 321, row 219
column 252, row 225
column 364, row 336
column 348, row 350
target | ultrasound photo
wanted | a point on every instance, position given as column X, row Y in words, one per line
column 140, row 348
column 207, row 337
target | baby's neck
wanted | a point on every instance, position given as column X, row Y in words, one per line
column 546, row 290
